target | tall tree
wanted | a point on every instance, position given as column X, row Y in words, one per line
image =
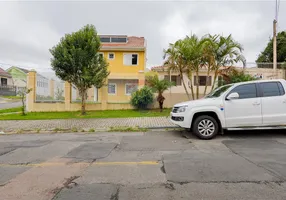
column 23, row 93
column 158, row 86
column 174, row 60
column 208, row 56
column 195, row 57
column 76, row 59
column 226, row 53
column 267, row 54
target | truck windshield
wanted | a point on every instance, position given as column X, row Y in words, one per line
column 217, row 92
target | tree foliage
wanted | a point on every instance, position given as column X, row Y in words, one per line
column 211, row 52
column 226, row 52
column 233, row 75
column 175, row 60
column 267, row 54
column 142, row 98
column 158, row 86
column 76, row 59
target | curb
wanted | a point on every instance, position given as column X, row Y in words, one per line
column 52, row 131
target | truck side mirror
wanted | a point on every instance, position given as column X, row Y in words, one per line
column 233, row 95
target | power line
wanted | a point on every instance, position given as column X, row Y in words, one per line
column 278, row 6
column 22, row 66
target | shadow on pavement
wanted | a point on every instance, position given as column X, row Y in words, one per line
column 242, row 134
column 255, row 134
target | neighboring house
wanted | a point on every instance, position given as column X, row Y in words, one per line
column 177, row 93
column 19, row 76
column 6, row 78
column 127, row 60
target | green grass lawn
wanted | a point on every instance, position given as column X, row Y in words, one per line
column 11, row 97
column 10, row 110
column 91, row 114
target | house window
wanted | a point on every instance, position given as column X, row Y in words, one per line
column 130, row 87
column 111, row 56
column 119, row 40
column 130, row 59
column 112, row 88
column 175, row 79
column 101, row 55
column 203, row 80
column 4, row 82
column 105, row 39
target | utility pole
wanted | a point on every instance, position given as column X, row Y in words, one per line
column 275, row 41
column 274, row 48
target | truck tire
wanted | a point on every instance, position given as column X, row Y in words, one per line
column 205, row 127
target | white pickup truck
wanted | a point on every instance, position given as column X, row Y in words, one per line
column 245, row 105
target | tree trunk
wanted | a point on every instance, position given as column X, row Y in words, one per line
column 190, row 75
column 182, row 79
column 215, row 77
column 23, row 105
column 83, row 95
column 160, row 100
column 161, row 105
column 206, row 86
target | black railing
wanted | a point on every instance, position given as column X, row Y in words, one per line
column 9, row 90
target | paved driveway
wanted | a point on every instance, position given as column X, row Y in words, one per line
column 147, row 166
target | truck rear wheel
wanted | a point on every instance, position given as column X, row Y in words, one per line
column 205, row 127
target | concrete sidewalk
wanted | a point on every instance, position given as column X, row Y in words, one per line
column 97, row 124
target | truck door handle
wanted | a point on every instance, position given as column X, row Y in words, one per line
column 257, row 103
column 284, row 101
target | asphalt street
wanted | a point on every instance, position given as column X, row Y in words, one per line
column 143, row 166
column 5, row 105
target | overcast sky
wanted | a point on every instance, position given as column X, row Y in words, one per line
column 29, row 29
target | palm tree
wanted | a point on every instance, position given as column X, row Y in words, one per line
column 226, row 53
column 195, row 57
column 174, row 60
column 158, row 86
column 208, row 56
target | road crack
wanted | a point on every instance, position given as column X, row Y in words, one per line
column 69, row 183
column 256, row 164
column 116, row 195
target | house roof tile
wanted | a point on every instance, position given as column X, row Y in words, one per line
column 4, row 73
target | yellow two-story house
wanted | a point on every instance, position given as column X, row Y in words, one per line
column 126, row 56
column 127, row 60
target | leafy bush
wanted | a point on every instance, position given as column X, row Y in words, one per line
column 140, row 99
column 233, row 75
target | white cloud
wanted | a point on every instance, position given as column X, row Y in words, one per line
column 29, row 29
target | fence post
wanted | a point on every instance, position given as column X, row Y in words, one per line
column 104, row 95
column 52, row 88
column 67, row 96
column 31, row 96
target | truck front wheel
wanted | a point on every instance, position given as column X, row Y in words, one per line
column 205, row 127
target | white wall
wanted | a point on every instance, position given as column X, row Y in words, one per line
column 42, row 86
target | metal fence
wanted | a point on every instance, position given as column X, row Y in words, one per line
column 8, row 90
column 92, row 95
column 49, row 89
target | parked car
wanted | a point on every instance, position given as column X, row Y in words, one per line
column 245, row 105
